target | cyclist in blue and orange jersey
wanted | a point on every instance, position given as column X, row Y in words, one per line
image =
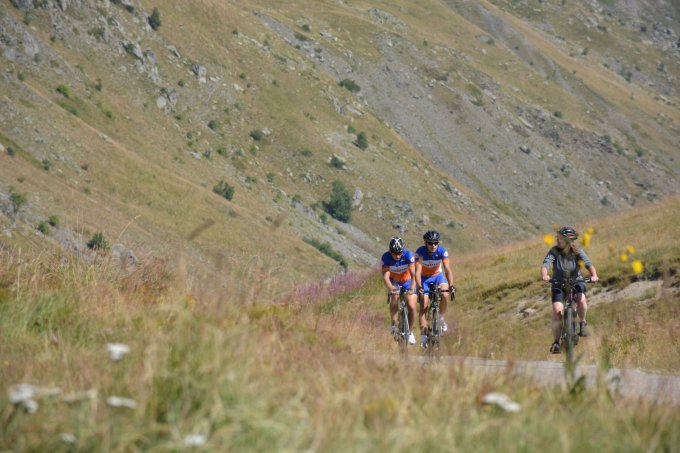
column 398, row 269
column 564, row 260
column 430, row 259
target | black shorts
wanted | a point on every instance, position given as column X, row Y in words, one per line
column 558, row 293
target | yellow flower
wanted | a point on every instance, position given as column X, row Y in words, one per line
column 623, row 257
column 637, row 266
column 549, row 239
column 586, row 239
column 630, row 249
column 581, row 263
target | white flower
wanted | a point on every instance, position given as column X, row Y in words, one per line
column 117, row 350
column 501, row 400
column 119, row 401
column 195, row 440
column 68, row 438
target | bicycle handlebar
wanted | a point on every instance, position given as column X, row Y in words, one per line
column 556, row 281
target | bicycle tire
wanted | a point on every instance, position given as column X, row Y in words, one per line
column 569, row 333
column 435, row 329
column 404, row 329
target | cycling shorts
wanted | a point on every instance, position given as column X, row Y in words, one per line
column 558, row 293
column 405, row 285
column 436, row 279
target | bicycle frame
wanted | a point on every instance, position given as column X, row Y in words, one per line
column 569, row 337
column 403, row 329
column 433, row 317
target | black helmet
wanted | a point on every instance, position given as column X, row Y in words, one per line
column 568, row 232
column 431, row 236
column 396, row 245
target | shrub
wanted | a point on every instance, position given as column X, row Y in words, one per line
column 44, row 228
column 155, row 19
column 17, row 199
column 256, row 135
column 336, row 162
column 213, row 125
column 361, row 141
column 64, row 91
column 98, row 242
column 53, row 220
column 11, row 151
column 350, row 84
column 340, row 204
column 224, row 189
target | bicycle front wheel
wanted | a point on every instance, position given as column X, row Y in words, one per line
column 404, row 330
column 569, row 333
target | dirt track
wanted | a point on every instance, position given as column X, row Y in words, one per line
column 635, row 384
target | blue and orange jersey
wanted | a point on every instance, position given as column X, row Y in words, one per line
column 432, row 263
column 398, row 268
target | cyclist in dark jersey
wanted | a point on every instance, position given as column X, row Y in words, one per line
column 564, row 260
column 398, row 269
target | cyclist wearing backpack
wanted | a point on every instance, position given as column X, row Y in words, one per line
column 398, row 269
column 430, row 259
column 564, row 258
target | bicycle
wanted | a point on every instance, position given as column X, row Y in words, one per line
column 433, row 318
column 569, row 337
column 403, row 330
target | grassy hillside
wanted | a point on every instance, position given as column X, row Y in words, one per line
column 481, row 119
column 258, row 369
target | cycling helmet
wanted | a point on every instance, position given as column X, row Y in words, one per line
column 396, row 245
column 431, row 236
column 568, row 232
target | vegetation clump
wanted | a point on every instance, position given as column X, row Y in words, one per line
column 350, row 84
column 340, row 204
column 224, row 189
column 155, row 19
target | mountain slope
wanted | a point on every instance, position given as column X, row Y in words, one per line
column 482, row 120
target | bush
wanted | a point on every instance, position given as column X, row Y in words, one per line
column 64, row 91
column 213, row 125
column 224, row 189
column 361, row 141
column 98, row 242
column 256, row 135
column 18, row 200
column 53, row 221
column 350, row 84
column 44, row 228
column 155, row 19
column 340, row 204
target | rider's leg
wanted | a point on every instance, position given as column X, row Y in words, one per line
column 558, row 310
column 582, row 307
column 411, row 299
column 424, row 303
column 394, row 309
column 445, row 300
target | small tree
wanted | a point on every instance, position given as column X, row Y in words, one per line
column 225, row 189
column 340, row 204
column 155, row 19
column 362, row 141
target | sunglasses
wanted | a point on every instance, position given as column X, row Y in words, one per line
column 432, row 243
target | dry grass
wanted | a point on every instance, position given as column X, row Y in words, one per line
column 312, row 371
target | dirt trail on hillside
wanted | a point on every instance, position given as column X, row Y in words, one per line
column 628, row 383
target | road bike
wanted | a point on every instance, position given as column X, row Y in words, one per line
column 434, row 318
column 569, row 337
column 403, row 330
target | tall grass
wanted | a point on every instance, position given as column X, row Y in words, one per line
column 315, row 371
